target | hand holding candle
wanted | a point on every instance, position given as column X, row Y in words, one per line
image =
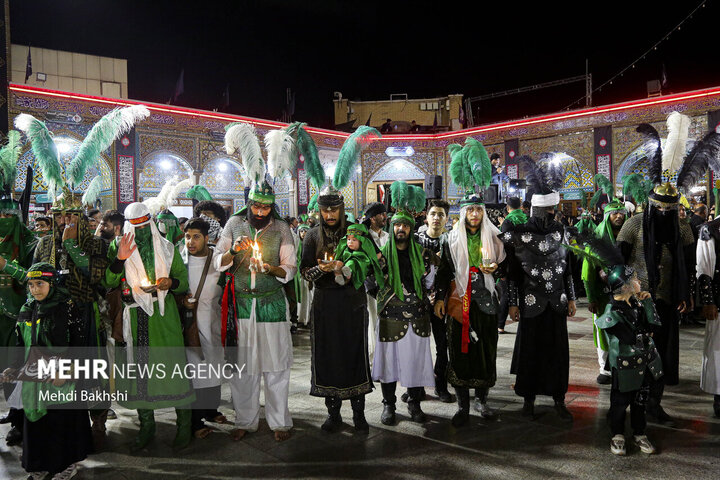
column 488, row 266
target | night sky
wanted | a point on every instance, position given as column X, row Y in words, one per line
column 368, row 50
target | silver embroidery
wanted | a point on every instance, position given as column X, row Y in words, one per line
column 530, row 299
column 526, row 237
column 547, row 274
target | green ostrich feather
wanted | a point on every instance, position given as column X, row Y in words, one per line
column 93, row 191
column 637, row 186
column 478, row 161
column 595, row 198
column 312, row 204
column 604, row 185
column 108, row 129
column 417, row 195
column 44, row 150
column 307, row 148
column 199, row 193
column 9, row 155
column 350, row 153
column 460, row 172
column 399, row 195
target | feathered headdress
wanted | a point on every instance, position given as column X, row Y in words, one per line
column 636, row 186
column 705, row 154
column 604, row 187
column 281, row 153
column 101, row 136
column 543, row 181
column 470, row 169
column 307, row 148
column 93, row 191
column 9, row 154
column 605, row 256
column 350, row 154
column 160, row 202
column 653, row 150
column 241, row 138
column 407, row 200
column 675, row 148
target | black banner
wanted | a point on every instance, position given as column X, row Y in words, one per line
column 603, row 150
column 512, row 154
column 125, row 157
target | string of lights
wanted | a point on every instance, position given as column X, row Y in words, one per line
column 641, row 57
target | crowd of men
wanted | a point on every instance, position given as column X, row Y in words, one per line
column 420, row 278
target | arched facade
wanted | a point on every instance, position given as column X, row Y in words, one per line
column 157, row 168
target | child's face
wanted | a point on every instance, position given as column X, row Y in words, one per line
column 353, row 243
column 39, row 289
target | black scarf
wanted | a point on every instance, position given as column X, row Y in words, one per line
column 659, row 229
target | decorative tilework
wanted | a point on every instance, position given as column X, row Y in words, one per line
column 156, row 172
column 184, row 147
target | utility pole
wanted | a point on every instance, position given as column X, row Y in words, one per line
column 588, row 85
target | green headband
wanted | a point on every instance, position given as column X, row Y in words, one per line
column 403, row 217
column 264, row 198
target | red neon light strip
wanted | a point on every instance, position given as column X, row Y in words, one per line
column 320, row 131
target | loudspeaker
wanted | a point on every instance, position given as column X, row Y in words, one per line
column 433, row 186
column 490, row 194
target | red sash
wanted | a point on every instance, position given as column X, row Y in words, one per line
column 466, row 312
column 228, row 295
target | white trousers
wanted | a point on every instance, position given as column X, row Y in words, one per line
column 602, row 361
column 372, row 324
column 246, row 400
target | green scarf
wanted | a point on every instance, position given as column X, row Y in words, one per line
column 15, row 238
column 517, row 217
column 144, row 242
column 474, row 243
column 362, row 260
column 585, row 224
column 389, row 251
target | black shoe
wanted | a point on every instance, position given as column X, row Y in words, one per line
column 461, row 417
column 388, row 414
column 563, row 412
column 405, row 396
column 660, row 415
column 528, row 409
column 603, row 379
column 445, row 396
column 13, row 437
column 361, row 424
column 416, row 413
column 5, row 419
column 293, row 329
column 333, row 423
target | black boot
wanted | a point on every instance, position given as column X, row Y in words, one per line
column 388, row 414
column 716, row 405
column 441, row 390
column 14, row 437
column 334, row 420
column 562, row 410
column 416, row 413
column 462, row 416
column 358, row 408
column 481, row 405
column 528, row 409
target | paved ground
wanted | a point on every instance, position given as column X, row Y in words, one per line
column 509, row 447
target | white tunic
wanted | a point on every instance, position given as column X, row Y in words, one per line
column 208, row 322
column 710, row 375
column 407, row 361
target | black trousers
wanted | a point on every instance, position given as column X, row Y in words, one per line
column 439, row 331
column 619, row 402
column 207, row 401
column 502, row 289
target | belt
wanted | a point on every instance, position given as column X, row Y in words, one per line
column 254, row 293
column 6, row 281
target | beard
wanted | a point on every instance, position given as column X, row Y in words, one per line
column 259, row 222
column 107, row 235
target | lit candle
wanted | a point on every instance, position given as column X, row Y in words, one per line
column 326, row 259
column 485, row 257
column 144, row 282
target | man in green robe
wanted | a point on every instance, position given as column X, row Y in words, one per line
column 596, row 289
column 153, row 270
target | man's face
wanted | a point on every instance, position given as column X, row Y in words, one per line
column 379, row 220
column 209, row 213
column 302, row 233
column 617, row 219
column 402, row 232
column 330, row 215
column 107, row 230
column 682, row 213
column 94, row 221
column 42, row 226
column 474, row 216
column 60, row 220
column 437, row 217
column 195, row 241
column 701, row 212
column 6, row 215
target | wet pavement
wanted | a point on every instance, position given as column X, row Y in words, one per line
column 507, row 447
